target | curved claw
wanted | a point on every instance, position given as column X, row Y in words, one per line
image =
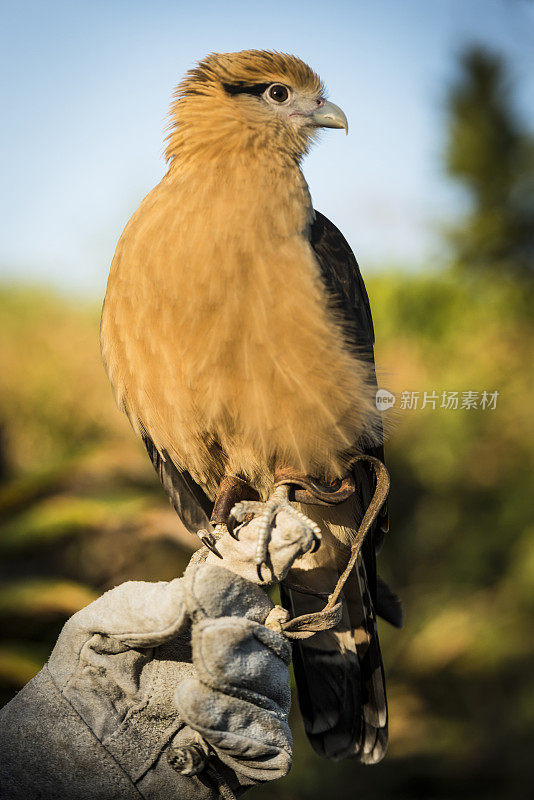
column 209, row 540
column 232, row 527
column 316, row 542
column 259, row 567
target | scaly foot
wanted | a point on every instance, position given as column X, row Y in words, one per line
column 266, row 512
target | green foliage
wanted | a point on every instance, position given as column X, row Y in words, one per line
column 79, row 516
column 492, row 154
column 39, row 597
column 47, row 426
column 81, row 511
column 20, row 661
column 59, row 517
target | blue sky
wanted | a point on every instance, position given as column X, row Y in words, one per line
column 87, row 86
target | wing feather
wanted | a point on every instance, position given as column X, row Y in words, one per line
column 346, row 288
column 188, row 499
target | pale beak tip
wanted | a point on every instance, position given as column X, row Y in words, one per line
column 330, row 116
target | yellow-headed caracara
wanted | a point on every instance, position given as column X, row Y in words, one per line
column 237, row 336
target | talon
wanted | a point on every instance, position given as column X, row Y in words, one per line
column 236, row 530
column 316, row 541
column 232, row 527
column 208, row 540
column 258, row 571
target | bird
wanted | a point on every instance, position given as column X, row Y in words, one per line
column 237, row 335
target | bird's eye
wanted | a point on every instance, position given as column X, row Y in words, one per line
column 278, row 92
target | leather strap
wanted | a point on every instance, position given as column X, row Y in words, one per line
column 306, row 625
column 307, row 489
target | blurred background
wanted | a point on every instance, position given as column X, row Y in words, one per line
column 434, row 188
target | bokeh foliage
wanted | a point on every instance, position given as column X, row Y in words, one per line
column 81, row 510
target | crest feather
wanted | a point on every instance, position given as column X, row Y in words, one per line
column 249, row 67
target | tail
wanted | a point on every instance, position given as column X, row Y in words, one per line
column 339, row 673
column 340, row 681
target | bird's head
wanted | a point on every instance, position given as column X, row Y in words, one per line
column 254, row 100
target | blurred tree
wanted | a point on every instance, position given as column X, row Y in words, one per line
column 490, row 151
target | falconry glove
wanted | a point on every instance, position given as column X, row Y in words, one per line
column 160, row 690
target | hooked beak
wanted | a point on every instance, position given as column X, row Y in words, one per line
column 330, row 116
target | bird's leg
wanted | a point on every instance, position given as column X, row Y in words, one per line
column 266, row 513
column 231, row 489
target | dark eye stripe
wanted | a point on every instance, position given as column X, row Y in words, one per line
column 243, row 88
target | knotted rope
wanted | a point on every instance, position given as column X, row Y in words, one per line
column 306, row 625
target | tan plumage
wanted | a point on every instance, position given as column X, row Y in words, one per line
column 225, row 346
column 217, row 333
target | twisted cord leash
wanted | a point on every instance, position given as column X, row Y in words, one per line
column 306, row 625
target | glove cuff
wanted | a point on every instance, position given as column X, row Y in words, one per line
column 47, row 750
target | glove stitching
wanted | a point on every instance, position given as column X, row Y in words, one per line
column 240, row 763
column 243, row 694
column 76, row 668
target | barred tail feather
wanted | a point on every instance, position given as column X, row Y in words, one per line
column 340, row 680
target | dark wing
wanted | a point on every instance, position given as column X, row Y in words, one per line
column 189, row 500
column 342, row 276
column 343, row 280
